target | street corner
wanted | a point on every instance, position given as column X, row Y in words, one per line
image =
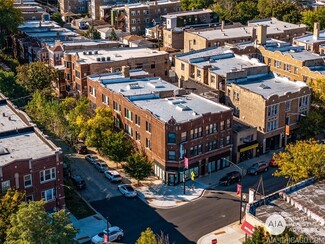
column 228, row 234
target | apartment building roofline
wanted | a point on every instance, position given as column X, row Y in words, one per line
column 268, row 85
column 186, row 13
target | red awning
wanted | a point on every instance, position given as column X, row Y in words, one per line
column 247, row 227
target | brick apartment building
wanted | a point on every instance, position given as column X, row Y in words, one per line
column 166, row 122
column 277, row 101
column 28, row 161
column 79, row 64
column 312, row 42
column 134, row 18
column 175, row 23
column 200, row 39
column 73, row 7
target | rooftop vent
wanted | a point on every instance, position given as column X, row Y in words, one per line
column 108, row 58
column 176, row 101
column 84, row 52
column 98, row 59
column 263, row 86
column 156, row 84
column 133, row 86
column 103, row 58
column 95, row 52
column 194, row 113
column 90, row 53
column 183, row 107
column 3, row 151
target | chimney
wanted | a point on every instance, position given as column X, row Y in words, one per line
column 126, row 71
column 316, row 30
column 261, row 34
column 253, row 32
column 222, row 25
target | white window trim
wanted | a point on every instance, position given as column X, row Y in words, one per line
column 52, row 170
column 31, row 181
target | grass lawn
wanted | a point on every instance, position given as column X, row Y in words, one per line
column 76, row 205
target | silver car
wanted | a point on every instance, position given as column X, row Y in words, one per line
column 127, row 190
column 91, row 159
column 113, row 175
column 101, row 166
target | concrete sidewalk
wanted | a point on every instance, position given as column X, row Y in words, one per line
column 159, row 195
column 229, row 234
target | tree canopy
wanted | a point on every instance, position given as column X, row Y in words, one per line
column 9, row 203
column 113, row 36
column 9, row 87
column 117, row 147
column 138, row 166
column 92, row 33
column 32, row 224
column 36, row 76
column 57, row 17
column 147, row 237
column 309, row 17
column 10, row 18
column 301, row 161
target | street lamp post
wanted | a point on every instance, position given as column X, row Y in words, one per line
column 241, row 192
column 107, row 229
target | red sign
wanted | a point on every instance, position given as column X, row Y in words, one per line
column 239, row 189
column 105, row 238
column 185, row 163
column 248, row 228
column 214, row 241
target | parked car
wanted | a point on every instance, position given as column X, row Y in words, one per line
column 127, row 190
column 257, row 168
column 115, row 234
column 113, row 175
column 81, row 148
column 273, row 163
column 78, row 181
column 229, row 178
column 92, row 159
column 101, row 166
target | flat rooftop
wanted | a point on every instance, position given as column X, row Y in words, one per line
column 218, row 34
column 311, row 197
column 116, row 54
column 227, row 63
column 182, row 108
column 23, row 146
column 186, row 13
column 297, row 52
column 275, row 26
column 269, row 85
column 9, row 120
column 201, row 55
column 309, row 38
column 238, row 126
column 145, row 4
column 36, row 24
column 134, row 87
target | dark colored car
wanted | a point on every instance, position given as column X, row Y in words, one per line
column 81, row 148
column 78, row 182
column 229, row 178
column 258, row 168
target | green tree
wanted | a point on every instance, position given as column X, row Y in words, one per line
column 98, row 128
column 244, row 11
column 32, row 224
column 36, row 108
column 301, row 161
column 9, row 87
column 113, row 36
column 196, row 4
column 36, row 76
column 92, row 33
column 10, row 18
column 57, row 17
column 117, row 147
column 9, row 203
column 138, row 166
column 286, row 11
column 265, row 8
column 147, row 237
column 318, row 88
column 313, row 124
column 309, row 17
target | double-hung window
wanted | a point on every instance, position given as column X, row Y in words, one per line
column 48, row 174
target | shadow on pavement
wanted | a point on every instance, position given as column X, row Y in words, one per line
column 134, row 216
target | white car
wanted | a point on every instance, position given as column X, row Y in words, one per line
column 91, row 159
column 101, row 166
column 113, row 175
column 115, row 233
column 127, row 190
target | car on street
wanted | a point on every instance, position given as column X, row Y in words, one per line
column 78, row 181
column 127, row 190
column 273, row 163
column 91, row 159
column 258, row 168
column 115, row 234
column 101, row 166
column 81, row 148
column 113, row 175
column 229, row 178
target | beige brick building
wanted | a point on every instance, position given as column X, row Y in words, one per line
column 165, row 122
column 277, row 102
column 200, row 39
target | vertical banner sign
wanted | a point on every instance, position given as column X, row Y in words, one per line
column 185, row 163
column 251, row 195
column 239, row 189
